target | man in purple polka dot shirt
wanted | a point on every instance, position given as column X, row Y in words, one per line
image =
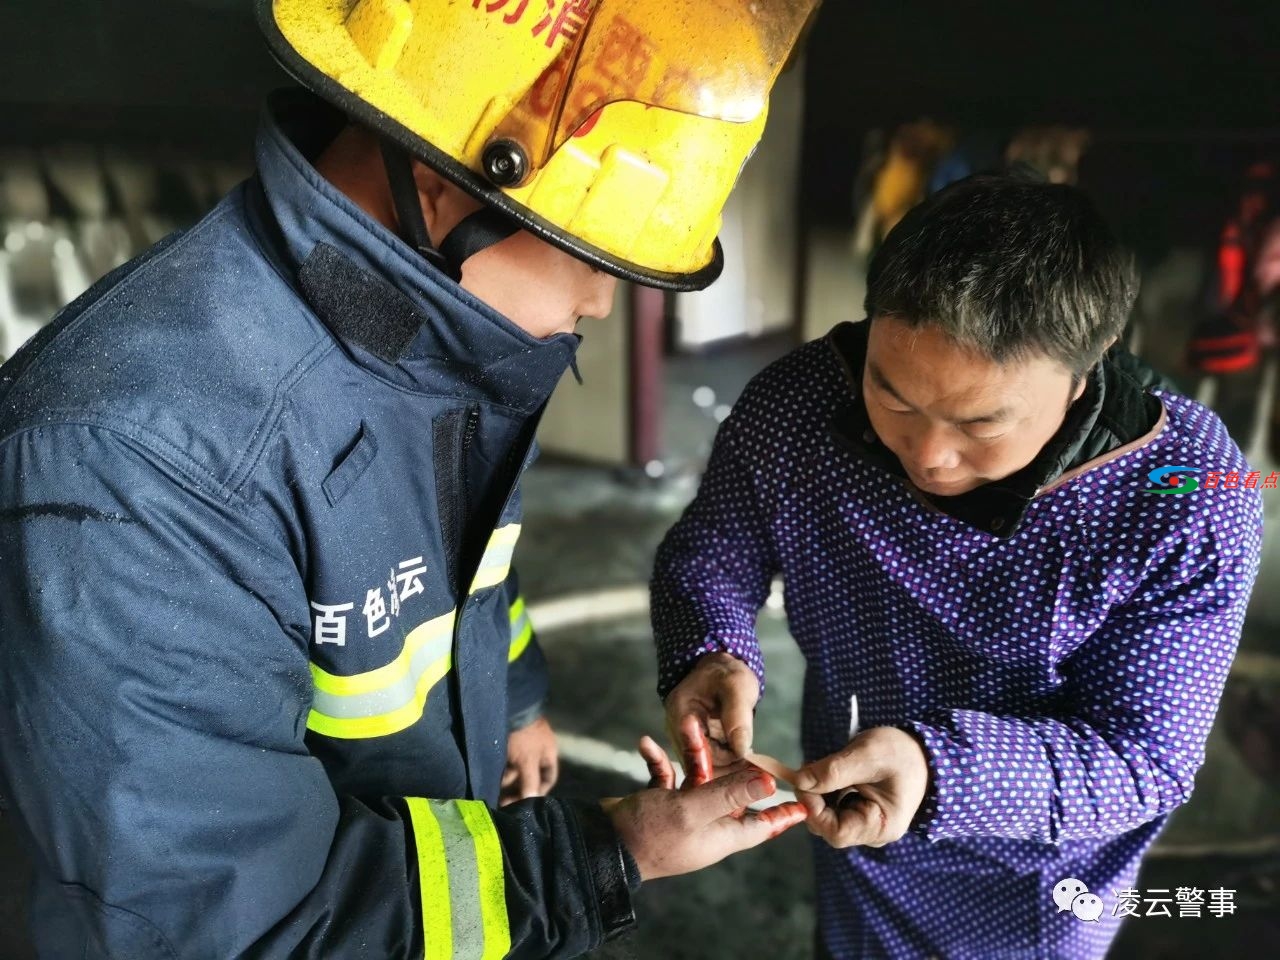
column 956, row 496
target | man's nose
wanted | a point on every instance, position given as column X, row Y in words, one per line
column 935, row 448
column 598, row 302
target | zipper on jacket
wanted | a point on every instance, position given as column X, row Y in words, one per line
column 468, row 434
column 507, row 486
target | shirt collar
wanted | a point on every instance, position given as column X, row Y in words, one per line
column 415, row 327
column 1111, row 413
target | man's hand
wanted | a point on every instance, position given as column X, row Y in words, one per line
column 533, row 763
column 670, row 832
column 889, row 772
column 720, row 687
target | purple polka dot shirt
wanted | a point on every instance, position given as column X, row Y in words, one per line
column 1063, row 680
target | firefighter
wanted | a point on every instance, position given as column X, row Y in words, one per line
column 261, row 646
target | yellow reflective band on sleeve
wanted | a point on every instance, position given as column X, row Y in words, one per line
column 490, row 879
column 433, row 881
column 521, row 630
column 496, row 562
column 390, row 698
column 460, row 880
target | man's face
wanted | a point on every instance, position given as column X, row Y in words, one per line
column 954, row 418
column 540, row 288
column 536, row 286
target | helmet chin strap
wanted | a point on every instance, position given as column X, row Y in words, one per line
column 475, row 232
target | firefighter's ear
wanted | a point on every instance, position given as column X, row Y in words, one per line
column 432, row 189
column 444, row 204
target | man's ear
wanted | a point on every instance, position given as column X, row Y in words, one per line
column 1081, row 383
column 444, row 204
column 1083, row 379
column 431, row 191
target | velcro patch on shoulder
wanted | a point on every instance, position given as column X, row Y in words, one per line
column 358, row 306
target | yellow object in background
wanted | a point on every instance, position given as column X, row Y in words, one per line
column 914, row 151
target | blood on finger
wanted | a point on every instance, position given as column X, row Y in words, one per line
column 697, row 752
column 782, row 817
column 779, row 770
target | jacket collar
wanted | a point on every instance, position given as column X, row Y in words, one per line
column 1114, row 415
column 394, row 313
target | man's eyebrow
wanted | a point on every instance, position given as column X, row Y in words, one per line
column 996, row 416
column 881, row 381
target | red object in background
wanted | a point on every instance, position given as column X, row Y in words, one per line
column 1232, row 263
column 1226, row 343
column 1230, row 341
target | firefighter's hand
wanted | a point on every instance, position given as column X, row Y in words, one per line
column 670, row 832
column 533, row 763
column 723, row 688
column 868, row 793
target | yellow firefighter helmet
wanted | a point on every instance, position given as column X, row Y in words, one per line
column 614, row 129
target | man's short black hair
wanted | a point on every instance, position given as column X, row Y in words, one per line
column 1009, row 266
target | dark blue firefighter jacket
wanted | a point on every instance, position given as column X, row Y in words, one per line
column 260, row 643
